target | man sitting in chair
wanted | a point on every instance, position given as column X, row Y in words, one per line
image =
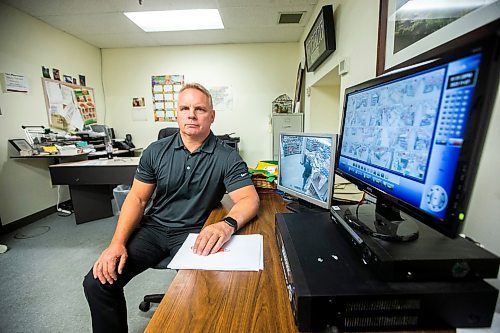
column 190, row 170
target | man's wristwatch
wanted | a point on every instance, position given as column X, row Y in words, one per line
column 232, row 222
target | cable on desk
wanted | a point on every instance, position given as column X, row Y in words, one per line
column 340, row 201
column 471, row 240
column 286, row 197
column 359, row 192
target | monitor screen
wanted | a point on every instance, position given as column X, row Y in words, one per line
column 98, row 128
column 103, row 130
column 306, row 168
column 414, row 138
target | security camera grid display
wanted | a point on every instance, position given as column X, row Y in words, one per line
column 405, row 136
column 305, row 164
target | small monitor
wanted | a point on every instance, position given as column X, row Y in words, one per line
column 98, row 128
column 413, row 139
column 306, row 169
column 102, row 129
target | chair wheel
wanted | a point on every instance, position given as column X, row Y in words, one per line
column 144, row 306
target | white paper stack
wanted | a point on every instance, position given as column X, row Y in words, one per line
column 240, row 253
column 67, row 150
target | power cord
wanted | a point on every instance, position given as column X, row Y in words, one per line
column 286, row 197
column 60, row 210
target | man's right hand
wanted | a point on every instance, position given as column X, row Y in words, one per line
column 105, row 268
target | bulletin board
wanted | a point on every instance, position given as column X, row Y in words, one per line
column 69, row 106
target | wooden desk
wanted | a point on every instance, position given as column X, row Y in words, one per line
column 218, row 301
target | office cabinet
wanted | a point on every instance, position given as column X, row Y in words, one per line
column 285, row 122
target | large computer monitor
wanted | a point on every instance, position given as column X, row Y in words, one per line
column 413, row 139
column 306, row 169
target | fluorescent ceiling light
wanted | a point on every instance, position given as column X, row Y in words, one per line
column 177, row 20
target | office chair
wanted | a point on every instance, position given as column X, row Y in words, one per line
column 154, row 298
column 164, row 132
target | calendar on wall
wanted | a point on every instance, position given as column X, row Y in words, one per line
column 165, row 90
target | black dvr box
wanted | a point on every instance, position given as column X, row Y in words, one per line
column 329, row 286
column 431, row 257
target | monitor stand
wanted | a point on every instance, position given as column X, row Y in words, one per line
column 382, row 220
column 302, row 206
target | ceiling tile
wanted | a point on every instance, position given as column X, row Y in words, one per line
column 102, row 23
column 119, row 40
column 90, row 24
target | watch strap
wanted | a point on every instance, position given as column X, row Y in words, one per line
column 232, row 222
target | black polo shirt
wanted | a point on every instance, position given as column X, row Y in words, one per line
column 190, row 185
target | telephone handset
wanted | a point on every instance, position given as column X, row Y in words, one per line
column 128, row 140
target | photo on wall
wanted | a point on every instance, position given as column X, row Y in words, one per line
column 46, row 72
column 55, row 72
column 68, row 79
column 138, row 102
column 82, row 80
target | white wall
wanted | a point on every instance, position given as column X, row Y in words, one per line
column 27, row 44
column 323, row 115
column 257, row 74
column 356, row 36
column 483, row 220
column 356, row 24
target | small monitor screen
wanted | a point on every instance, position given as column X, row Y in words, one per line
column 305, row 166
column 404, row 136
column 98, row 128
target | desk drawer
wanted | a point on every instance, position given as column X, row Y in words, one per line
column 95, row 175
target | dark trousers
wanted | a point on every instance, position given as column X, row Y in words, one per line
column 148, row 245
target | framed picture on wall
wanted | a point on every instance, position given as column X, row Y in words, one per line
column 320, row 41
column 412, row 31
column 68, row 79
column 298, row 89
column 138, row 102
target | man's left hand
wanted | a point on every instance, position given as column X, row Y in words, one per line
column 212, row 237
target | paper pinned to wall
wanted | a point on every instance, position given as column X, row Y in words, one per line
column 14, row 83
column 139, row 114
column 54, row 94
column 222, row 98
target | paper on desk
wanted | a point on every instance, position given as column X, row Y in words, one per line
column 241, row 253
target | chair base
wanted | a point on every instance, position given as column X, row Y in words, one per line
column 148, row 299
